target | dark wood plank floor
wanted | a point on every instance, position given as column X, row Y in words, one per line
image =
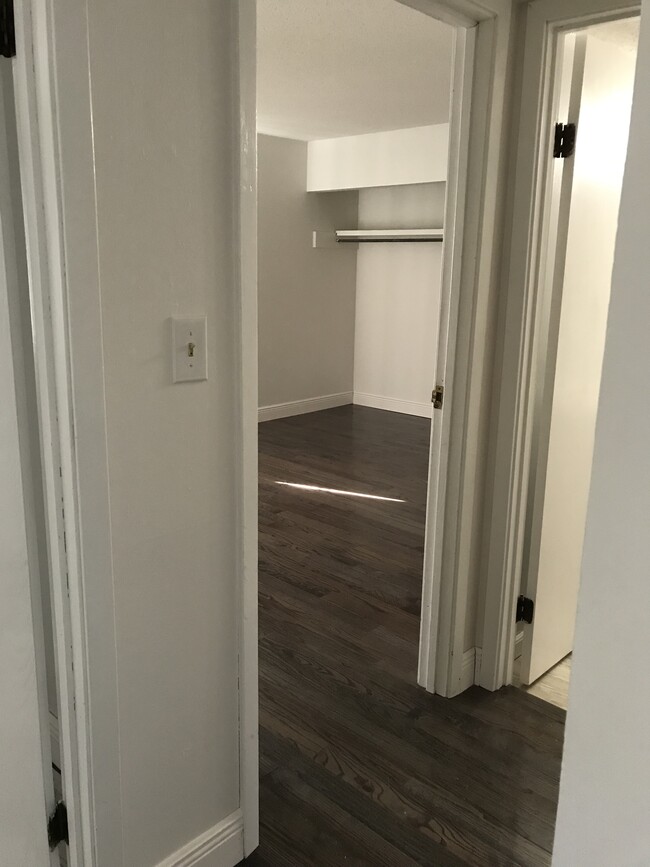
column 358, row 765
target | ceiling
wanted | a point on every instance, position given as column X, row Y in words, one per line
column 330, row 68
column 624, row 32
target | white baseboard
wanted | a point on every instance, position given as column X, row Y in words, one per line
column 519, row 642
column 220, row 846
column 468, row 669
column 300, row 407
column 393, row 404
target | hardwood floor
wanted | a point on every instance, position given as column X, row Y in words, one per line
column 552, row 686
column 358, row 765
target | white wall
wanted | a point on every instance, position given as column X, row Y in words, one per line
column 162, row 115
column 400, row 156
column 305, row 295
column 398, row 298
column 605, row 791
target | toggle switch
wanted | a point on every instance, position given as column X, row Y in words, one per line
column 189, row 349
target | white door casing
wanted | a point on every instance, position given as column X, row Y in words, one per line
column 26, row 794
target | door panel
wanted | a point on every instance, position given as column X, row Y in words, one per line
column 576, row 338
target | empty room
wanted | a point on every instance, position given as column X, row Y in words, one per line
column 350, row 237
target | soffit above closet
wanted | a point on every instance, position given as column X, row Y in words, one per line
column 330, row 68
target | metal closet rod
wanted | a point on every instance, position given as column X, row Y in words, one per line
column 389, row 240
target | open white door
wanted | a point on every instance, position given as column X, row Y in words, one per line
column 600, row 95
column 440, row 673
column 26, row 792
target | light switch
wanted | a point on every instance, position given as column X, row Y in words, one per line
column 189, row 349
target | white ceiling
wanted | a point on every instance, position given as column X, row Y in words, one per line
column 624, row 32
column 341, row 67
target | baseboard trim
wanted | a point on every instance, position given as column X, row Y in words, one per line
column 301, row 407
column 220, row 846
column 468, row 669
column 393, row 404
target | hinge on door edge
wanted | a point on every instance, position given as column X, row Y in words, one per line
column 525, row 610
column 564, row 143
column 57, row 826
column 7, row 29
column 437, row 396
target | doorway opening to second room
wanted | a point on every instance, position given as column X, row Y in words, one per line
column 353, row 141
column 594, row 84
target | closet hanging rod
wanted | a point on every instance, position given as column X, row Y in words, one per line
column 388, row 235
column 389, row 240
column 378, row 236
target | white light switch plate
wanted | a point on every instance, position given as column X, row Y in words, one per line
column 189, row 349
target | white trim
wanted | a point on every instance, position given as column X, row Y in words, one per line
column 506, row 503
column 220, row 846
column 301, row 407
column 477, row 664
column 43, row 95
column 468, row 670
column 245, row 289
column 519, row 644
column 393, row 404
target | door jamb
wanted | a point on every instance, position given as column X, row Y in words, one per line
column 512, row 431
column 73, row 473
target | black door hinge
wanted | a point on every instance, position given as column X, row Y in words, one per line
column 564, row 144
column 7, row 29
column 57, row 826
column 525, row 610
column 437, row 396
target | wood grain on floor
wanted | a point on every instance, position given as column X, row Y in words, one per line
column 360, row 766
column 552, row 686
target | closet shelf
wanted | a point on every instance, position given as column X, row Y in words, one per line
column 379, row 235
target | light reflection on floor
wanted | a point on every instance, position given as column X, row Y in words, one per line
column 341, row 493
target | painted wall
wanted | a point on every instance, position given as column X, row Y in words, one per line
column 162, row 114
column 604, row 792
column 379, row 159
column 398, row 298
column 305, row 295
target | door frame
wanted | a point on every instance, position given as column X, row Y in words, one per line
column 517, row 375
column 456, row 481
column 27, row 796
column 35, row 81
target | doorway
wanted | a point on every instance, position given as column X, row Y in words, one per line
column 348, row 742
column 356, row 314
column 596, row 79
